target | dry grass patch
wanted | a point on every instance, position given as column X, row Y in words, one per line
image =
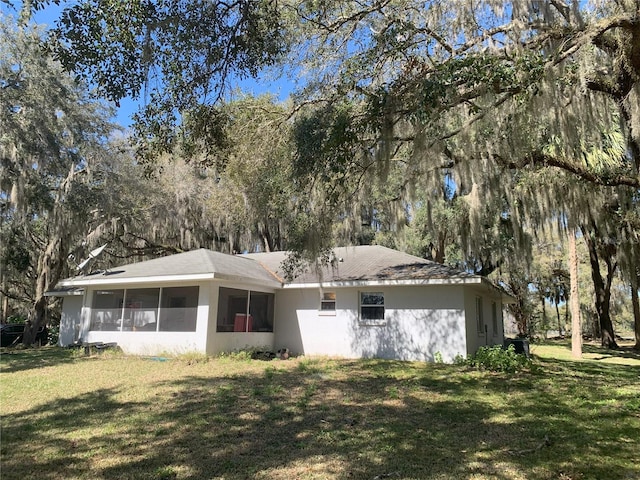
column 116, row 417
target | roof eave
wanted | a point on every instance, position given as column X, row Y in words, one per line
column 64, row 292
column 82, row 282
column 384, row 283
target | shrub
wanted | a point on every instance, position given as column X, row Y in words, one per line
column 498, row 359
column 53, row 335
column 192, row 358
column 243, row 355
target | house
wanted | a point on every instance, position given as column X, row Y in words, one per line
column 371, row 301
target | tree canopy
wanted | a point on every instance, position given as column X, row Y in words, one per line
column 475, row 122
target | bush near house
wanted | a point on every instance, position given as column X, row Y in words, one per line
column 499, row 359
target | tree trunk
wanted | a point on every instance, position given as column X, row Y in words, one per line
column 558, row 317
column 518, row 309
column 439, row 253
column 636, row 308
column 576, row 325
column 51, row 261
column 544, row 314
column 602, row 292
column 4, row 300
column 265, row 236
column 50, row 266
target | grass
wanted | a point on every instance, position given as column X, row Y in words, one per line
column 116, row 417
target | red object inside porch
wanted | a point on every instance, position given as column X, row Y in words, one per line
column 243, row 323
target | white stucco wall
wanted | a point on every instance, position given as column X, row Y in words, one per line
column 420, row 321
column 477, row 339
column 70, row 320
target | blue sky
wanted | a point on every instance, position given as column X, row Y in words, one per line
column 280, row 88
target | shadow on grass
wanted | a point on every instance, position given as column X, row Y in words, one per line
column 622, row 352
column 19, row 359
column 597, row 373
column 625, row 351
column 348, row 420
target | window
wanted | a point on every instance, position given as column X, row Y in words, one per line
column 106, row 310
column 244, row 311
column 328, row 303
column 171, row 309
column 372, row 308
column 261, row 311
column 480, row 315
column 494, row 318
column 179, row 309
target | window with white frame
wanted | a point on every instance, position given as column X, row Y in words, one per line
column 328, row 303
column 372, row 308
column 494, row 318
column 479, row 315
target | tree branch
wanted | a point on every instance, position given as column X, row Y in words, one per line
column 539, row 159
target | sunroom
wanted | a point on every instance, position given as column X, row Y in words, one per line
column 205, row 302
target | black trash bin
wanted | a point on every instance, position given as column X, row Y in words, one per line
column 520, row 345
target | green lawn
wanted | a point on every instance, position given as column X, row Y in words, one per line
column 65, row 416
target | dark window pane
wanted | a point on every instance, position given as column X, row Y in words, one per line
column 261, row 311
column 372, row 313
column 327, row 306
column 234, row 317
column 232, row 310
column 328, row 302
column 372, row 299
column 371, row 306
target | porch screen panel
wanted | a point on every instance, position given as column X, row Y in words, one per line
column 232, row 311
column 141, row 310
column 106, row 310
column 179, row 309
column 261, row 310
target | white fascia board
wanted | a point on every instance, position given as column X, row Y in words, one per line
column 102, row 280
column 135, row 280
column 387, row 283
column 70, row 293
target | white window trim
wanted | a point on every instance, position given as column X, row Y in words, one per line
column 372, row 322
column 330, row 312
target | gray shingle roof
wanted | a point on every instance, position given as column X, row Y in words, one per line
column 196, row 262
column 367, row 263
column 370, row 263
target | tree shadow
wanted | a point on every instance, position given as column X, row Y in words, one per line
column 622, row 352
column 352, row 419
column 414, row 335
column 19, row 359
